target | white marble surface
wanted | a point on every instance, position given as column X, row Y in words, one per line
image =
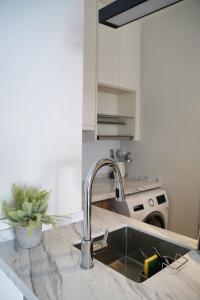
column 52, row 270
column 103, row 188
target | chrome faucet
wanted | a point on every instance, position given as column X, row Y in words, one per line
column 87, row 245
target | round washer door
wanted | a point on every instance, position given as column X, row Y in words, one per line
column 156, row 219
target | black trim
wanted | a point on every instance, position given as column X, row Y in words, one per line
column 119, row 6
column 109, row 24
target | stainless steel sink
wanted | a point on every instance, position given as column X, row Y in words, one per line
column 124, row 254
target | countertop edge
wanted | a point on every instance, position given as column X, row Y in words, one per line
column 24, row 289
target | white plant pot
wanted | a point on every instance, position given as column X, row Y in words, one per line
column 26, row 240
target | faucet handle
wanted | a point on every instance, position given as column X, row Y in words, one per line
column 105, row 237
column 100, row 245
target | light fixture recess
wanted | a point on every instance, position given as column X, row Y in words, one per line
column 122, row 12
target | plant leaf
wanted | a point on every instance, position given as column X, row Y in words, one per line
column 20, row 214
column 27, row 208
column 42, row 207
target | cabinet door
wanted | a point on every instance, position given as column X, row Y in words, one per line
column 8, row 288
column 106, row 204
column 108, row 56
column 130, row 47
column 89, row 67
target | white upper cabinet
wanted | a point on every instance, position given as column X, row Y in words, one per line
column 119, row 56
column 130, row 47
column 112, row 60
column 108, row 56
column 89, row 67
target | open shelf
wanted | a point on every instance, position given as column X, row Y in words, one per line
column 115, row 113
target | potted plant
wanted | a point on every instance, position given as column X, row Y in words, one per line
column 28, row 214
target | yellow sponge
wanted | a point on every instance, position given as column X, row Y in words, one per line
column 151, row 265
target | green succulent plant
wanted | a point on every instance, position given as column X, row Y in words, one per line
column 30, row 208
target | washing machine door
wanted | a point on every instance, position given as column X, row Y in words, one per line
column 156, row 219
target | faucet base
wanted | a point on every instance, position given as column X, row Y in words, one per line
column 89, row 268
column 86, row 255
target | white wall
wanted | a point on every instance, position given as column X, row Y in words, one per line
column 41, row 98
column 93, row 151
column 170, row 110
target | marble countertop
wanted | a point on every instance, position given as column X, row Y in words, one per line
column 103, row 188
column 52, row 269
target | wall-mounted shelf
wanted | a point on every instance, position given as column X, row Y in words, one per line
column 116, row 112
column 112, row 119
column 115, row 137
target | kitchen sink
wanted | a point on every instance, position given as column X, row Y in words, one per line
column 127, row 247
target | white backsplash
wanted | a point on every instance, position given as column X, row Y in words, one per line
column 93, row 151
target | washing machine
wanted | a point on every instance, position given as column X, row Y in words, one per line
column 150, row 207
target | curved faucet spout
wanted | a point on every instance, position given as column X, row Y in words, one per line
column 86, row 245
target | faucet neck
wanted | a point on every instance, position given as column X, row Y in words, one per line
column 88, row 192
column 86, row 245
